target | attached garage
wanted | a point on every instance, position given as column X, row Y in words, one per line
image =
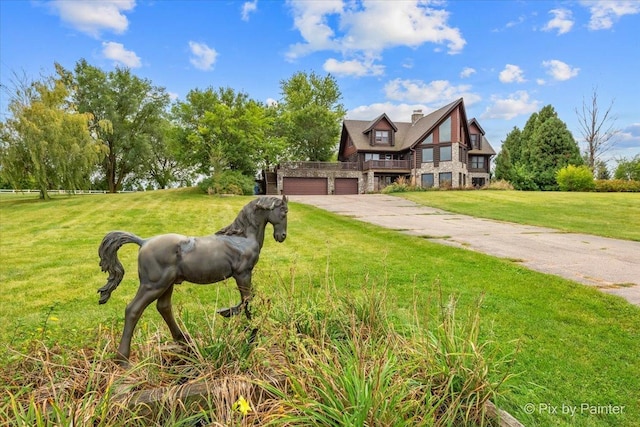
column 346, row 186
column 304, row 186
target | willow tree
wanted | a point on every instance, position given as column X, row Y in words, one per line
column 46, row 141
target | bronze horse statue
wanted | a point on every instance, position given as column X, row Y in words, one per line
column 170, row 259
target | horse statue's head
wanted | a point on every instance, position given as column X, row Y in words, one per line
column 277, row 215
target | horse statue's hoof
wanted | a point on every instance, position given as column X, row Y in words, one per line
column 227, row 312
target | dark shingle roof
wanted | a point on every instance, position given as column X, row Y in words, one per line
column 407, row 134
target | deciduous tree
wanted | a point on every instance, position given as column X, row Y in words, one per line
column 46, row 141
column 311, row 114
column 223, row 130
column 125, row 112
column 597, row 128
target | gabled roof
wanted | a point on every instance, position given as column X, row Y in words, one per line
column 378, row 119
column 407, row 134
column 474, row 121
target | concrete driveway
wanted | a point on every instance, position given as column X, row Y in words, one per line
column 610, row 265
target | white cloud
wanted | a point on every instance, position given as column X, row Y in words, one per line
column 541, row 82
column 514, row 105
column 467, row 72
column 93, row 17
column 511, row 73
column 353, row 67
column 396, row 112
column 203, row 57
column 559, row 70
column 119, row 55
column 562, row 21
column 248, row 8
column 629, row 137
column 605, row 12
column 310, row 18
column 510, row 24
column 437, row 92
column 370, row 27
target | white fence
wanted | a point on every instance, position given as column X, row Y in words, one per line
column 9, row 190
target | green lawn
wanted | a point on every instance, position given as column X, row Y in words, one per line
column 614, row 215
column 576, row 346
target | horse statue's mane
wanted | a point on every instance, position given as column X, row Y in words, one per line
column 246, row 217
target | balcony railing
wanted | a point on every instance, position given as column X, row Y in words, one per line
column 320, row 165
column 386, row 164
column 368, row 165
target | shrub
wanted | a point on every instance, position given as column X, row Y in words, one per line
column 575, row 178
column 400, row 185
column 617, row 185
column 500, row 184
column 228, row 182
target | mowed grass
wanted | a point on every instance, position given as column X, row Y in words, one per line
column 615, row 215
column 575, row 345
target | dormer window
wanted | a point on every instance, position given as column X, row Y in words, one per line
column 382, row 137
column 475, row 141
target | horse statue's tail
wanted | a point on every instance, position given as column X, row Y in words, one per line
column 109, row 261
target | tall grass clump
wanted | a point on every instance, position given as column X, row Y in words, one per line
column 331, row 359
column 401, row 184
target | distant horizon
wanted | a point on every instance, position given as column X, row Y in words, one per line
column 507, row 60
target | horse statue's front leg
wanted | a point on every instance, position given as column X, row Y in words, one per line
column 244, row 286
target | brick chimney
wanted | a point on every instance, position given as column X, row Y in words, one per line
column 417, row 115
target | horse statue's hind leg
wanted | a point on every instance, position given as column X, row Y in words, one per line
column 148, row 292
column 166, row 311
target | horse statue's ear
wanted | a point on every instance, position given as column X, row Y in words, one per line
column 284, row 199
column 267, row 203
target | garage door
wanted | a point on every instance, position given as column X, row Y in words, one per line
column 346, row 186
column 304, row 186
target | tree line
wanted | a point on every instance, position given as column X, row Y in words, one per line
column 88, row 128
column 544, row 151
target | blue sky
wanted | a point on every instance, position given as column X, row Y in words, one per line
column 507, row 59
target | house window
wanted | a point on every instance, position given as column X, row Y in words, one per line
column 371, row 156
column 445, row 131
column 477, row 162
column 427, row 155
column 382, row 137
column 445, row 154
column 475, row 141
column 478, row 182
column 428, row 139
column 445, row 179
column 427, row 180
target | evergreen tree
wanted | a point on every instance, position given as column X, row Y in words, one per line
column 531, row 158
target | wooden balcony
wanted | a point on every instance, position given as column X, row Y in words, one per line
column 320, row 165
column 387, row 165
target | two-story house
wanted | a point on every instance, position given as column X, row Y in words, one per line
column 440, row 149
